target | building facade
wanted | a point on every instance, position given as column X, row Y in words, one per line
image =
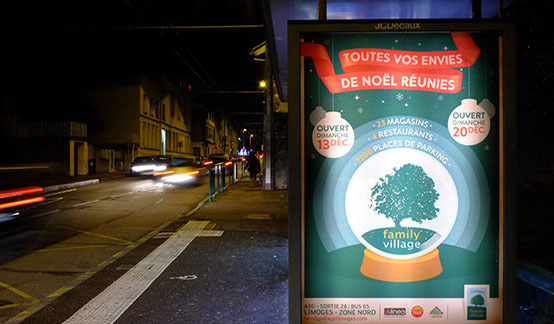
column 203, row 133
column 139, row 116
column 61, row 146
column 213, row 134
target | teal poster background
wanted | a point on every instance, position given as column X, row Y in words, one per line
column 470, row 253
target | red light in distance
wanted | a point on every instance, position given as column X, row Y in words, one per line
column 228, row 163
column 192, row 172
column 21, row 202
column 208, row 162
column 21, row 191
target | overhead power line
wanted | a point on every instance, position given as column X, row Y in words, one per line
column 174, row 49
column 189, row 27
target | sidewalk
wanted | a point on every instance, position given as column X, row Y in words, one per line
column 241, row 277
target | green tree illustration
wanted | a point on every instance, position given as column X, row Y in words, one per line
column 477, row 300
column 406, row 193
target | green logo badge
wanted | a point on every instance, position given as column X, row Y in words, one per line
column 436, row 313
column 476, row 299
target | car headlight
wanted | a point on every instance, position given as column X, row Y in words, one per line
column 141, row 168
column 160, row 167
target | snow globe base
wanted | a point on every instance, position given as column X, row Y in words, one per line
column 381, row 268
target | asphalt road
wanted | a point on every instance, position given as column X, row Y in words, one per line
column 55, row 245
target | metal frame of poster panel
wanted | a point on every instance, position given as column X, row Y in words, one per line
column 507, row 142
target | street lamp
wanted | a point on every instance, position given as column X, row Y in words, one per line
column 263, row 84
column 251, row 135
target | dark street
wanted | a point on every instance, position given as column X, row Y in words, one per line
column 49, row 246
column 276, row 161
column 233, row 250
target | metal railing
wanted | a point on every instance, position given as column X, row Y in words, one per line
column 222, row 176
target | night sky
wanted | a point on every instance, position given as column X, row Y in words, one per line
column 61, row 48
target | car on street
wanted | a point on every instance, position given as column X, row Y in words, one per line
column 182, row 171
column 219, row 158
column 146, row 165
column 15, row 200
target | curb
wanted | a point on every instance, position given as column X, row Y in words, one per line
column 71, row 185
column 195, row 209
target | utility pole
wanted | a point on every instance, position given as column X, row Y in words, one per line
column 268, row 167
column 476, row 9
column 321, row 9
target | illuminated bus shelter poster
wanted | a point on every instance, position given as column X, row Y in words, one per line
column 401, row 176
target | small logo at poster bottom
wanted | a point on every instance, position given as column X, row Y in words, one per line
column 476, row 301
column 417, row 311
column 436, row 313
column 395, row 312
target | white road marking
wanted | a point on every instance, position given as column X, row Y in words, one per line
column 109, row 305
column 86, row 203
column 187, row 277
column 44, row 214
column 212, row 233
column 125, row 194
column 163, row 235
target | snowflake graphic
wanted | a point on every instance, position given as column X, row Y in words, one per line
column 487, row 147
column 360, row 110
column 356, row 97
column 406, row 104
column 441, row 97
column 399, row 96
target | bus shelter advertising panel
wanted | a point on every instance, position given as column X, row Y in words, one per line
column 402, row 217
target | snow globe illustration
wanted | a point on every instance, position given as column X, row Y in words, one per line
column 401, row 204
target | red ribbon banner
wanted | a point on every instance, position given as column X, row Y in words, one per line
column 371, row 68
